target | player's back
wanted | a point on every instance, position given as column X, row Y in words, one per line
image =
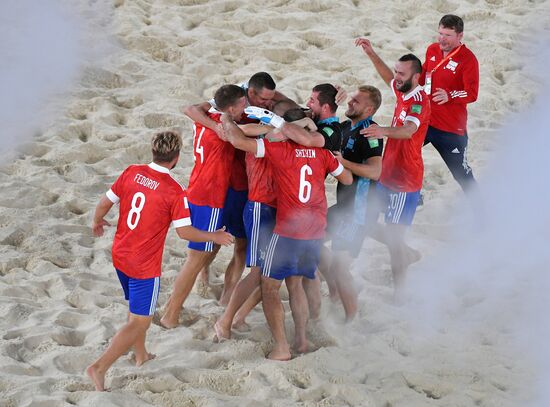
column 299, row 173
column 211, row 173
column 150, row 199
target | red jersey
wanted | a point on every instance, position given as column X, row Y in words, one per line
column 299, row 175
column 402, row 165
column 213, row 157
column 459, row 77
column 150, row 200
column 261, row 186
column 239, row 180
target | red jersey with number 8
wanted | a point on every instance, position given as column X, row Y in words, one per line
column 210, row 177
column 299, row 173
column 150, row 200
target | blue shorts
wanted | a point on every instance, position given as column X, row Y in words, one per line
column 259, row 221
column 398, row 207
column 207, row 219
column 291, row 257
column 233, row 212
column 141, row 294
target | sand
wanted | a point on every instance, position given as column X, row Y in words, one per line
column 59, row 296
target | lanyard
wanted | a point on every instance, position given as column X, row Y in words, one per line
column 428, row 81
column 447, row 58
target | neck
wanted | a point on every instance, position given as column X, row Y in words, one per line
column 445, row 53
column 324, row 116
column 359, row 119
column 168, row 165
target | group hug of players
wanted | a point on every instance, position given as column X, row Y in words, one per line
column 258, row 181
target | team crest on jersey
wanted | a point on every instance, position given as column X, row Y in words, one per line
column 451, row 65
column 402, row 115
column 416, row 109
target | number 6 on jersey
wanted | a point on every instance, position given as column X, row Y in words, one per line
column 305, row 186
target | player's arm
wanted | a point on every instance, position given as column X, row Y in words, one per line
column 371, row 169
column 383, row 70
column 404, row 132
column 254, row 129
column 236, row 136
column 193, row 234
column 197, row 113
column 345, row 177
column 102, row 208
column 302, row 136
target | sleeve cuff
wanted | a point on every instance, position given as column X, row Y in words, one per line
column 412, row 119
column 178, row 223
column 112, row 196
column 338, row 170
column 260, row 148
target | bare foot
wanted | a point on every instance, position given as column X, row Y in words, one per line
column 142, row 359
column 281, row 354
column 222, row 334
column 97, row 377
column 241, row 326
column 167, row 323
column 300, row 345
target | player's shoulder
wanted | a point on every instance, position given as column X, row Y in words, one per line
column 432, row 48
column 467, row 53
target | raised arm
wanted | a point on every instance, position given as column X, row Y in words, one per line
column 197, row 113
column 302, row 135
column 236, row 136
column 383, row 70
column 403, row 132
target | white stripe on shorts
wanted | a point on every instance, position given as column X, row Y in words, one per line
column 155, row 296
column 400, row 204
column 209, row 246
column 269, row 256
column 256, row 219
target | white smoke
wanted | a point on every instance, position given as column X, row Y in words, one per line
column 44, row 44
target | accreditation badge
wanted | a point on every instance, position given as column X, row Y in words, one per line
column 428, row 83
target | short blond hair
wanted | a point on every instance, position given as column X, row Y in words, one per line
column 374, row 95
column 165, row 146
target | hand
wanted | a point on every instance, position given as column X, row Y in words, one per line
column 373, row 131
column 97, row 227
column 440, row 96
column 338, row 156
column 220, row 132
column 222, row 237
column 306, row 123
column 366, row 45
column 264, row 116
column 341, row 95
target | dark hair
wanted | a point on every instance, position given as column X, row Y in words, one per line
column 261, row 80
column 227, row 96
column 165, row 146
column 452, row 22
column 416, row 64
column 280, row 107
column 327, row 95
column 374, row 95
column 292, row 115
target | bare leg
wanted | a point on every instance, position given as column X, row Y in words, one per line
column 299, row 307
column 324, row 269
column 313, row 294
column 242, row 292
column 234, row 270
column 398, row 254
column 246, row 308
column 341, row 265
column 140, row 353
column 124, row 339
column 195, row 261
column 274, row 313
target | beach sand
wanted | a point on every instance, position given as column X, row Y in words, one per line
column 59, row 296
